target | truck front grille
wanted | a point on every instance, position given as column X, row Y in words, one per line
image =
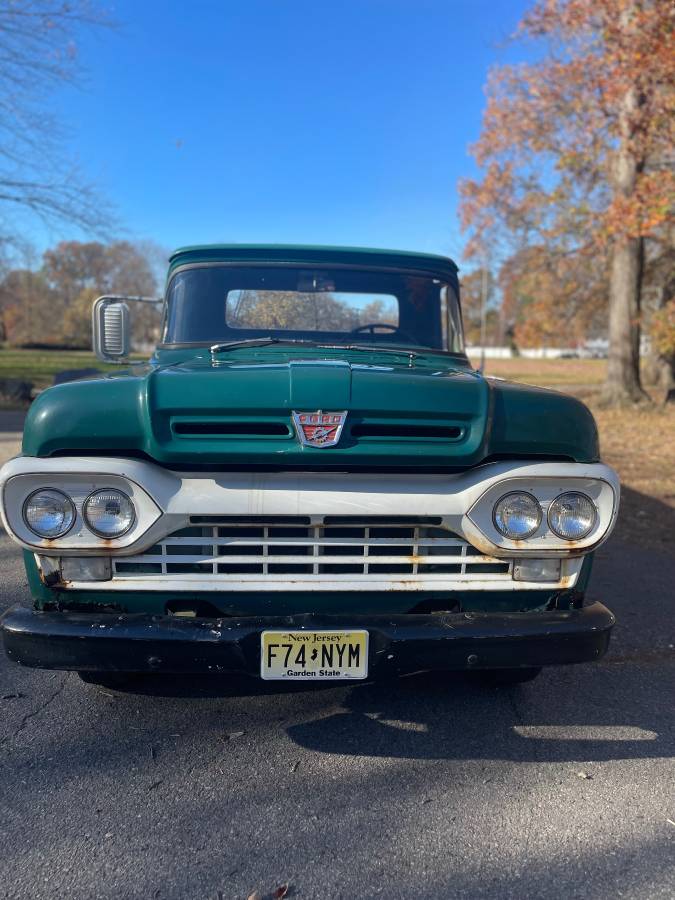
column 321, row 552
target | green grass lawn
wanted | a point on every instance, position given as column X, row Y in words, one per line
column 40, row 366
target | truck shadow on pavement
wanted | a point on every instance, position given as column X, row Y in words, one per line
column 596, row 713
column 566, row 716
column 646, row 522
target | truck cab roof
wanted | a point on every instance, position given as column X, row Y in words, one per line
column 308, row 254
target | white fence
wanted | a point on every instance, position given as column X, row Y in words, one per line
column 527, row 353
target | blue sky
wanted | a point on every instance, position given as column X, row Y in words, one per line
column 286, row 120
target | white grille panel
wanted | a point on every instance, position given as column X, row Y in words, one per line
column 326, row 553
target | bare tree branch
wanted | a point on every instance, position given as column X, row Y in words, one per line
column 38, row 53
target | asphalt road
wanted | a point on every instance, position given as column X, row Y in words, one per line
column 429, row 787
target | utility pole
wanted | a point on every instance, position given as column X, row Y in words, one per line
column 483, row 312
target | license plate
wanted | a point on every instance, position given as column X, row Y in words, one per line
column 313, row 655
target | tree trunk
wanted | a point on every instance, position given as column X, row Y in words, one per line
column 662, row 366
column 627, row 258
column 623, row 364
column 667, row 379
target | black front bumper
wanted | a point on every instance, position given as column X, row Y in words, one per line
column 108, row 642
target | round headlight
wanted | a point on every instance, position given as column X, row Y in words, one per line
column 572, row 516
column 517, row 515
column 109, row 513
column 48, row 513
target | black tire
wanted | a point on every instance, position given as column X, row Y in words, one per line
column 113, row 680
column 506, row 677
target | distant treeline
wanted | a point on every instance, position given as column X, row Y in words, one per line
column 49, row 305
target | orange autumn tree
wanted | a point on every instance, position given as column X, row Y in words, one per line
column 552, row 299
column 531, row 300
column 577, row 155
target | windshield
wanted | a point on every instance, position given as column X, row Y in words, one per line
column 207, row 304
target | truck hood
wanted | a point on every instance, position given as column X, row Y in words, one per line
column 194, row 414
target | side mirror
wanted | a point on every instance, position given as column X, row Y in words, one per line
column 111, row 327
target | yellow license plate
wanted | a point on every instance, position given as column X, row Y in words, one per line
column 313, row 655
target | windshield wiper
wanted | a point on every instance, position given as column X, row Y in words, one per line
column 255, row 342
column 372, row 348
column 266, row 341
column 377, row 348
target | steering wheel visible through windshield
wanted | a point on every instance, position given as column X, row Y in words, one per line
column 221, row 303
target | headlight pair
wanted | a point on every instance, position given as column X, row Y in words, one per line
column 50, row 513
column 571, row 516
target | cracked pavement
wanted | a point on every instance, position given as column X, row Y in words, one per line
column 432, row 786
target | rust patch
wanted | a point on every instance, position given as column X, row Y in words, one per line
column 483, row 545
column 574, row 549
column 51, row 579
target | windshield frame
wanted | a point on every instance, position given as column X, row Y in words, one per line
column 453, row 297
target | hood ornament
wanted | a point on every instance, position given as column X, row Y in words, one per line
column 319, row 429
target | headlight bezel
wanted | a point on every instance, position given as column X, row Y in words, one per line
column 44, row 490
column 101, row 534
column 77, row 485
column 545, row 485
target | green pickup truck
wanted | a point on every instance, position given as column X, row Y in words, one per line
column 307, row 481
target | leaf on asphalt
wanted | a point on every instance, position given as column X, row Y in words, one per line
column 584, row 775
column 295, row 766
column 278, row 894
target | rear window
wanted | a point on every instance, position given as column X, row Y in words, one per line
column 298, row 310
